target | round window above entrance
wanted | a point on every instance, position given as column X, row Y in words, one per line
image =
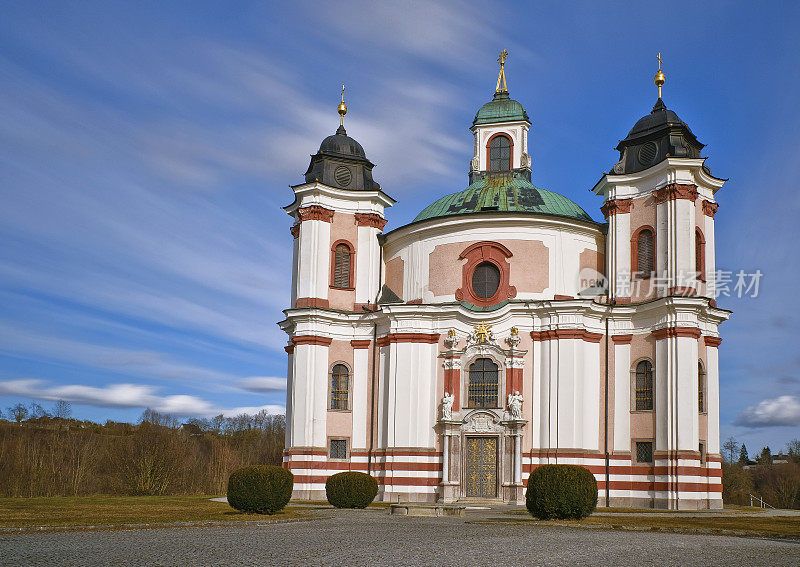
column 485, row 280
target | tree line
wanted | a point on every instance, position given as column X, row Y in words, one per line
column 773, row 477
column 48, row 453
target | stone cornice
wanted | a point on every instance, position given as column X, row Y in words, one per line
column 621, row 339
column 370, row 219
column 675, row 191
column 616, row 206
column 709, row 208
column 557, row 334
column 712, row 341
column 429, row 338
column 302, row 302
column 670, row 332
column 315, row 212
column 358, row 343
column 311, row 340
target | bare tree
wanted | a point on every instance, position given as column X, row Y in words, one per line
column 38, row 411
column 62, row 409
column 793, row 450
column 731, row 446
column 18, row 412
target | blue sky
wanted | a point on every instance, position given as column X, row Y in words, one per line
column 146, row 150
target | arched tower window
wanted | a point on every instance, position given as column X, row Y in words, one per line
column 700, row 254
column 701, row 387
column 340, row 387
column 483, row 384
column 342, row 275
column 645, row 253
column 500, row 153
column 644, row 386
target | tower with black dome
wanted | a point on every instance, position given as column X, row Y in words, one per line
column 659, row 199
column 338, row 214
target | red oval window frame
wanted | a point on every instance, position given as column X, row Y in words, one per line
column 476, row 254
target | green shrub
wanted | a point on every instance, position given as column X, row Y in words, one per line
column 260, row 489
column 351, row 489
column 561, row 491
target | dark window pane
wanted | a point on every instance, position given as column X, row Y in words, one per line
column 485, row 280
column 645, row 264
column 698, row 253
column 483, row 384
column 338, row 449
column 341, row 267
column 340, row 377
column 701, row 384
column 644, row 451
column 644, row 386
column 500, row 154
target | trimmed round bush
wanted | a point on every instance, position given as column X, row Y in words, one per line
column 351, row 489
column 561, row 492
column 260, row 489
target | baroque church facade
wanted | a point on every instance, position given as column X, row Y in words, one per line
column 504, row 328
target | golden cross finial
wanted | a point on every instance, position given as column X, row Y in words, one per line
column 659, row 79
column 342, row 109
column 501, row 78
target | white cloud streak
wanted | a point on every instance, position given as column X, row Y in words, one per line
column 262, row 384
column 127, row 396
column 772, row 412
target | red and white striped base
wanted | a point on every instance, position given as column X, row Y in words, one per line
column 680, row 482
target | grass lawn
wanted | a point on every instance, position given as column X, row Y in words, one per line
column 737, row 522
column 116, row 510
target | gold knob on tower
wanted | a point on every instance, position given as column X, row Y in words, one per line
column 660, row 78
column 342, row 108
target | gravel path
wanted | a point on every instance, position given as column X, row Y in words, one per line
column 372, row 537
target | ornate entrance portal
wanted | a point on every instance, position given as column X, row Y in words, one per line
column 481, row 473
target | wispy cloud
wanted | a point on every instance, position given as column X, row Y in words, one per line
column 773, row 412
column 126, row 396
column 262, row 384
column 142, row 185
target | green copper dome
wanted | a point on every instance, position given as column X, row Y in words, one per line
column 509, row 192
column 500, row 109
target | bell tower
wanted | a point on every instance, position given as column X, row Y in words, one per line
column 501, row 134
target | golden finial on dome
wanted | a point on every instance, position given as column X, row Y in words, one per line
column 342, row 109
column 501, row 78
column 659, row 79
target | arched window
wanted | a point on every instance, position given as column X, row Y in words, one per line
column 701, row 387
column 500, row 153
column 342, row 272
column 700, row 254
column 644, row 386
column 485, row 280
column 340, row 387
column 645, row 253
column 483, row 384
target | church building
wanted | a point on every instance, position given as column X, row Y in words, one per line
column 505, row 328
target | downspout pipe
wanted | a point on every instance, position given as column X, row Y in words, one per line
column 374, row 359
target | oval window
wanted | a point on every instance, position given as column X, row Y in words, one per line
column 485, row 280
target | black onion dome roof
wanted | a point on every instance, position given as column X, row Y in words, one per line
column 341, row 162
column 654, row 138
column 340, row 144
column 659, row 118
